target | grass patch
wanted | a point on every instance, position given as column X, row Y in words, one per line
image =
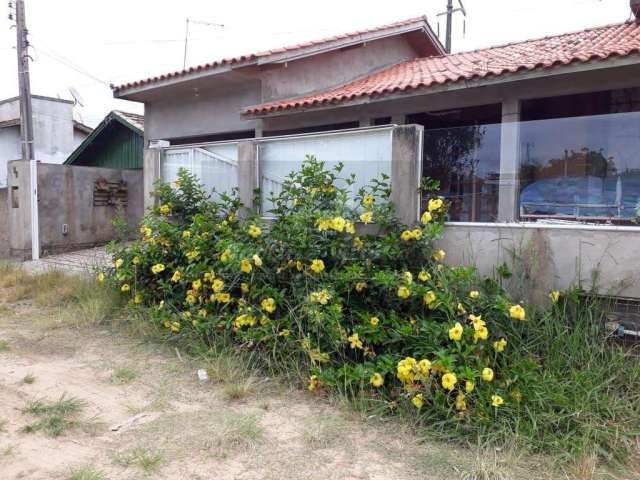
column 4, row 345
column 53, row 418
column 87, row 472
column 234, row 433
column 7, row 450
column 123, row 374
column 29, row 379
column 146, row 459
column 323, row 432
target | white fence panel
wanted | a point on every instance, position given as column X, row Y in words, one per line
column 364, row 153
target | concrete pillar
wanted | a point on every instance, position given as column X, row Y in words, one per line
column 406, row 171
column 509, row 161
column 150, row 173
column 398, row 119
column 259, row 129
column 19, row 204
column 247, row 172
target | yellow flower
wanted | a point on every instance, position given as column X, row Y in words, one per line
column 358, row 243
column 209, row 276
column 434, row 204
column 469, row 386
column 324, row 224
column 299, row 265
column 517, row 312
column 461, row 309
column 481, row 333
column 245, row 266
column 119, row 262
column 175, row 327
column 314, row 383
column 360, row 286
column 424, row 276
column 418, row 401
column 178, row 183
column 487, row 374
column 439, row 255
column 101, row 277
column 176, row 276
column 191, row 298
column 137, row 298
column 338, row 224
column 202, row 312
column 417, row 233
column 268, row 305
column 186, row 234
column 354, row 341
column 407, row 235
column 407, row 277
column 429, row 299
column 366, row 217
column 218, row 285
column 254, row 231
column 322, row 297
column 455, row 333
column 317, row 266
column 477, row 321
column 368, row 200
column 192, row 254
column 125, row 288
column 136, row 260
column 404, row 292
column 376, row 380
column 500, row 345
column 374, row 321
column 496, row 400
column 284, row 333
column 257, row 261
column 196, row 284
column 244, row 287
column 157, row 268
column 405, row 370
column 449, row 381
column 424, row 366
column 461, row 403
column 474, row 294
column 165, row 209
column 226, row 256
column 554, row 296
column 350, row 228
column 426, row 218
column 222, row 297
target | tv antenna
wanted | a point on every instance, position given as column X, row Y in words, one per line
column 186, row 36
column 449, row 13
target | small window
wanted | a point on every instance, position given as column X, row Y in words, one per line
column 15, row 202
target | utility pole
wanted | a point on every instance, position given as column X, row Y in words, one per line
column 26, row 120
column 449, row 13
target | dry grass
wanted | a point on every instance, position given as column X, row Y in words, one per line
column 54, row 418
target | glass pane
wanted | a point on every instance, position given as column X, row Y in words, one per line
column 581, row 168
column 216, row 166
column 466, row 162
column 366, row 154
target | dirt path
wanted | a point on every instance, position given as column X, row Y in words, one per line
column 143, row 413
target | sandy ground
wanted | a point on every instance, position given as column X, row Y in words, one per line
column 160, row 421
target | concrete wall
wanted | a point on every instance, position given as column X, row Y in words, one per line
column 550, row 257
column 9, row 150
column 65, row 197
column 333, row 68
column 4, row 223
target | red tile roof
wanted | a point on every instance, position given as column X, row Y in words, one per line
column 599, row 43
column 266, row 53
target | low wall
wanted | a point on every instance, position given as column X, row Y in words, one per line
column 68, row 219
column 4, row 223
column 543, row 258
column 67, row 215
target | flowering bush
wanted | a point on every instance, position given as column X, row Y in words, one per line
column 364, row 301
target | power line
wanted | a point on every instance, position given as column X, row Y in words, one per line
column 68, row 63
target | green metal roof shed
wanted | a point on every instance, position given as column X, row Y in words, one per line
column 118, row 142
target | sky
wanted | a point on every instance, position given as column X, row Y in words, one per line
column 85, row 45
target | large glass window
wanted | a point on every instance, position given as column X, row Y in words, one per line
column 581, row 167
column 463, row 154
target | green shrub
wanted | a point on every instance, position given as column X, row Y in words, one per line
column 339, row 288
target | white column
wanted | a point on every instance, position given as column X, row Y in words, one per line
column 509, row 161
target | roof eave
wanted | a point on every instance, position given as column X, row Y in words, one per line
column 597, row 64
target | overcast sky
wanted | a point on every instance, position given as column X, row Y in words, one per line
column 88, row 44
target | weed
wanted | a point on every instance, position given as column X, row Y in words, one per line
column 123, row 374
column 87, row 473
column 4, row 345
column 143, row 458
column 54, row 418
column 8, row 450
column 29, row 379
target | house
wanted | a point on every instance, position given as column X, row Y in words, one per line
column 117, row 142
column 534, row 143
column 56, row 133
